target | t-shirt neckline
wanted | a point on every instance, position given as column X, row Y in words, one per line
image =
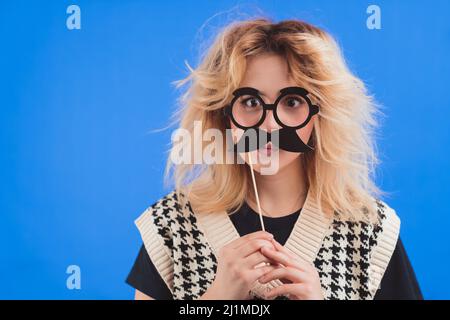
column 287, row 216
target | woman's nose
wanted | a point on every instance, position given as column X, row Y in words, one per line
column 270, row 124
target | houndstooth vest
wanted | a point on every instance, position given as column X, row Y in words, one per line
column 350, row 257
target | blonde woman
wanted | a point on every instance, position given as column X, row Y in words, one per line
column 327, row 234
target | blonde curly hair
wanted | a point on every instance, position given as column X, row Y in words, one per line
column 341, row 168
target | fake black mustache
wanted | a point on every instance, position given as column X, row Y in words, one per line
column 256, row 138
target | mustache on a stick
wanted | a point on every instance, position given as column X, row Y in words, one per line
column 284, row 138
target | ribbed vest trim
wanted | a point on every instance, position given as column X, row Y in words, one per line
column 382, row 253
column 157, row 251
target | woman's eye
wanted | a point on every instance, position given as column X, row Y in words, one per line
column 293, row 102
column 250, row 102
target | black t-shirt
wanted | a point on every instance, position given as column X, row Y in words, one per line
column 399, row 280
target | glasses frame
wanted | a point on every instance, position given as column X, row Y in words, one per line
column 313, row 108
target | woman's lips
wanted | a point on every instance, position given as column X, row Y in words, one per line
column 267, row 149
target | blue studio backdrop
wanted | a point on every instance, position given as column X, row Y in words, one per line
column 79, row 104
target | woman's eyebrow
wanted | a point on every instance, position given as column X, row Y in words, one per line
column 262, row 93
column 265, row 95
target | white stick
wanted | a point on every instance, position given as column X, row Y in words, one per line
column 256, row 191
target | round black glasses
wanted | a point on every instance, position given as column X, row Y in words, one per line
column 293, row 108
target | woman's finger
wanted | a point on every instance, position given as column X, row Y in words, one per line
column 255, row 259
column 278, row 256
column 252, row 246
column 258, row 272
column 285, row 289
column 301, row 264
column 282, row 248
column 254, row 235
column 288, row 273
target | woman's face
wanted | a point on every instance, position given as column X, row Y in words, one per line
column 269, row 74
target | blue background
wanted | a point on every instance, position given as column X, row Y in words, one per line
column 78, row 163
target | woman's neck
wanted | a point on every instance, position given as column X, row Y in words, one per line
column 282, row 193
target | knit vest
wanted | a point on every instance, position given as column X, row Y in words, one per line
column 350, row 257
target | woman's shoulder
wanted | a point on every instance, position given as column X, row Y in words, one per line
column 380, row 213
column 165, row 209
column 386, row 215
column 379, row 224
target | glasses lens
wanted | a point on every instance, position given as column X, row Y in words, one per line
column 292, row 110
column 247, row 110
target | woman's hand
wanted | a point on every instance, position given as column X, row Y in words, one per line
column 301, row 280
column 236, row 272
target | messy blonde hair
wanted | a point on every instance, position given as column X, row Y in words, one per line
column 339, row 171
